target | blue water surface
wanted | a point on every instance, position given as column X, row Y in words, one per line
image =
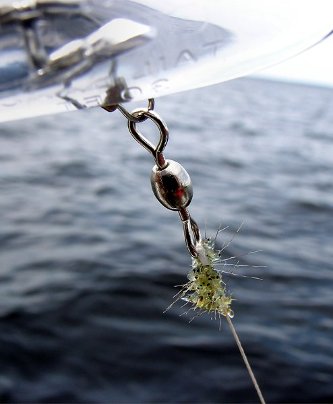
column 89, row 259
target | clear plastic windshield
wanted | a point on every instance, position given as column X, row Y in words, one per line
column 73, row 54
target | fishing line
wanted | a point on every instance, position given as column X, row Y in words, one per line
column 247, row 363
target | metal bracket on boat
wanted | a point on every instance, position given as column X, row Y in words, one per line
column 72, row 56
column 27, row 15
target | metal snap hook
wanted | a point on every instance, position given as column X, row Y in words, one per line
column 156, row 151
column 191, row 232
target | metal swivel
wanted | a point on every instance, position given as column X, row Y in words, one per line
column 172, row 185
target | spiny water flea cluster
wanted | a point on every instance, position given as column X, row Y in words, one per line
column 205, row 289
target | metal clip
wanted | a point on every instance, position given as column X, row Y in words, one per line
column 170, row 182
column 191, row 232
column 156, row 151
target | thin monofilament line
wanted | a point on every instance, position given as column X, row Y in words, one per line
column 247, row 364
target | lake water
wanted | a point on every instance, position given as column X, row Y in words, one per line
column 89, row 259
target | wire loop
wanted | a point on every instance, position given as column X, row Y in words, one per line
column 156, row 151
column 191, row 232
column 136, row 118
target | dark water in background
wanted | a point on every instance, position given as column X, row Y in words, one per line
column 89, row 258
